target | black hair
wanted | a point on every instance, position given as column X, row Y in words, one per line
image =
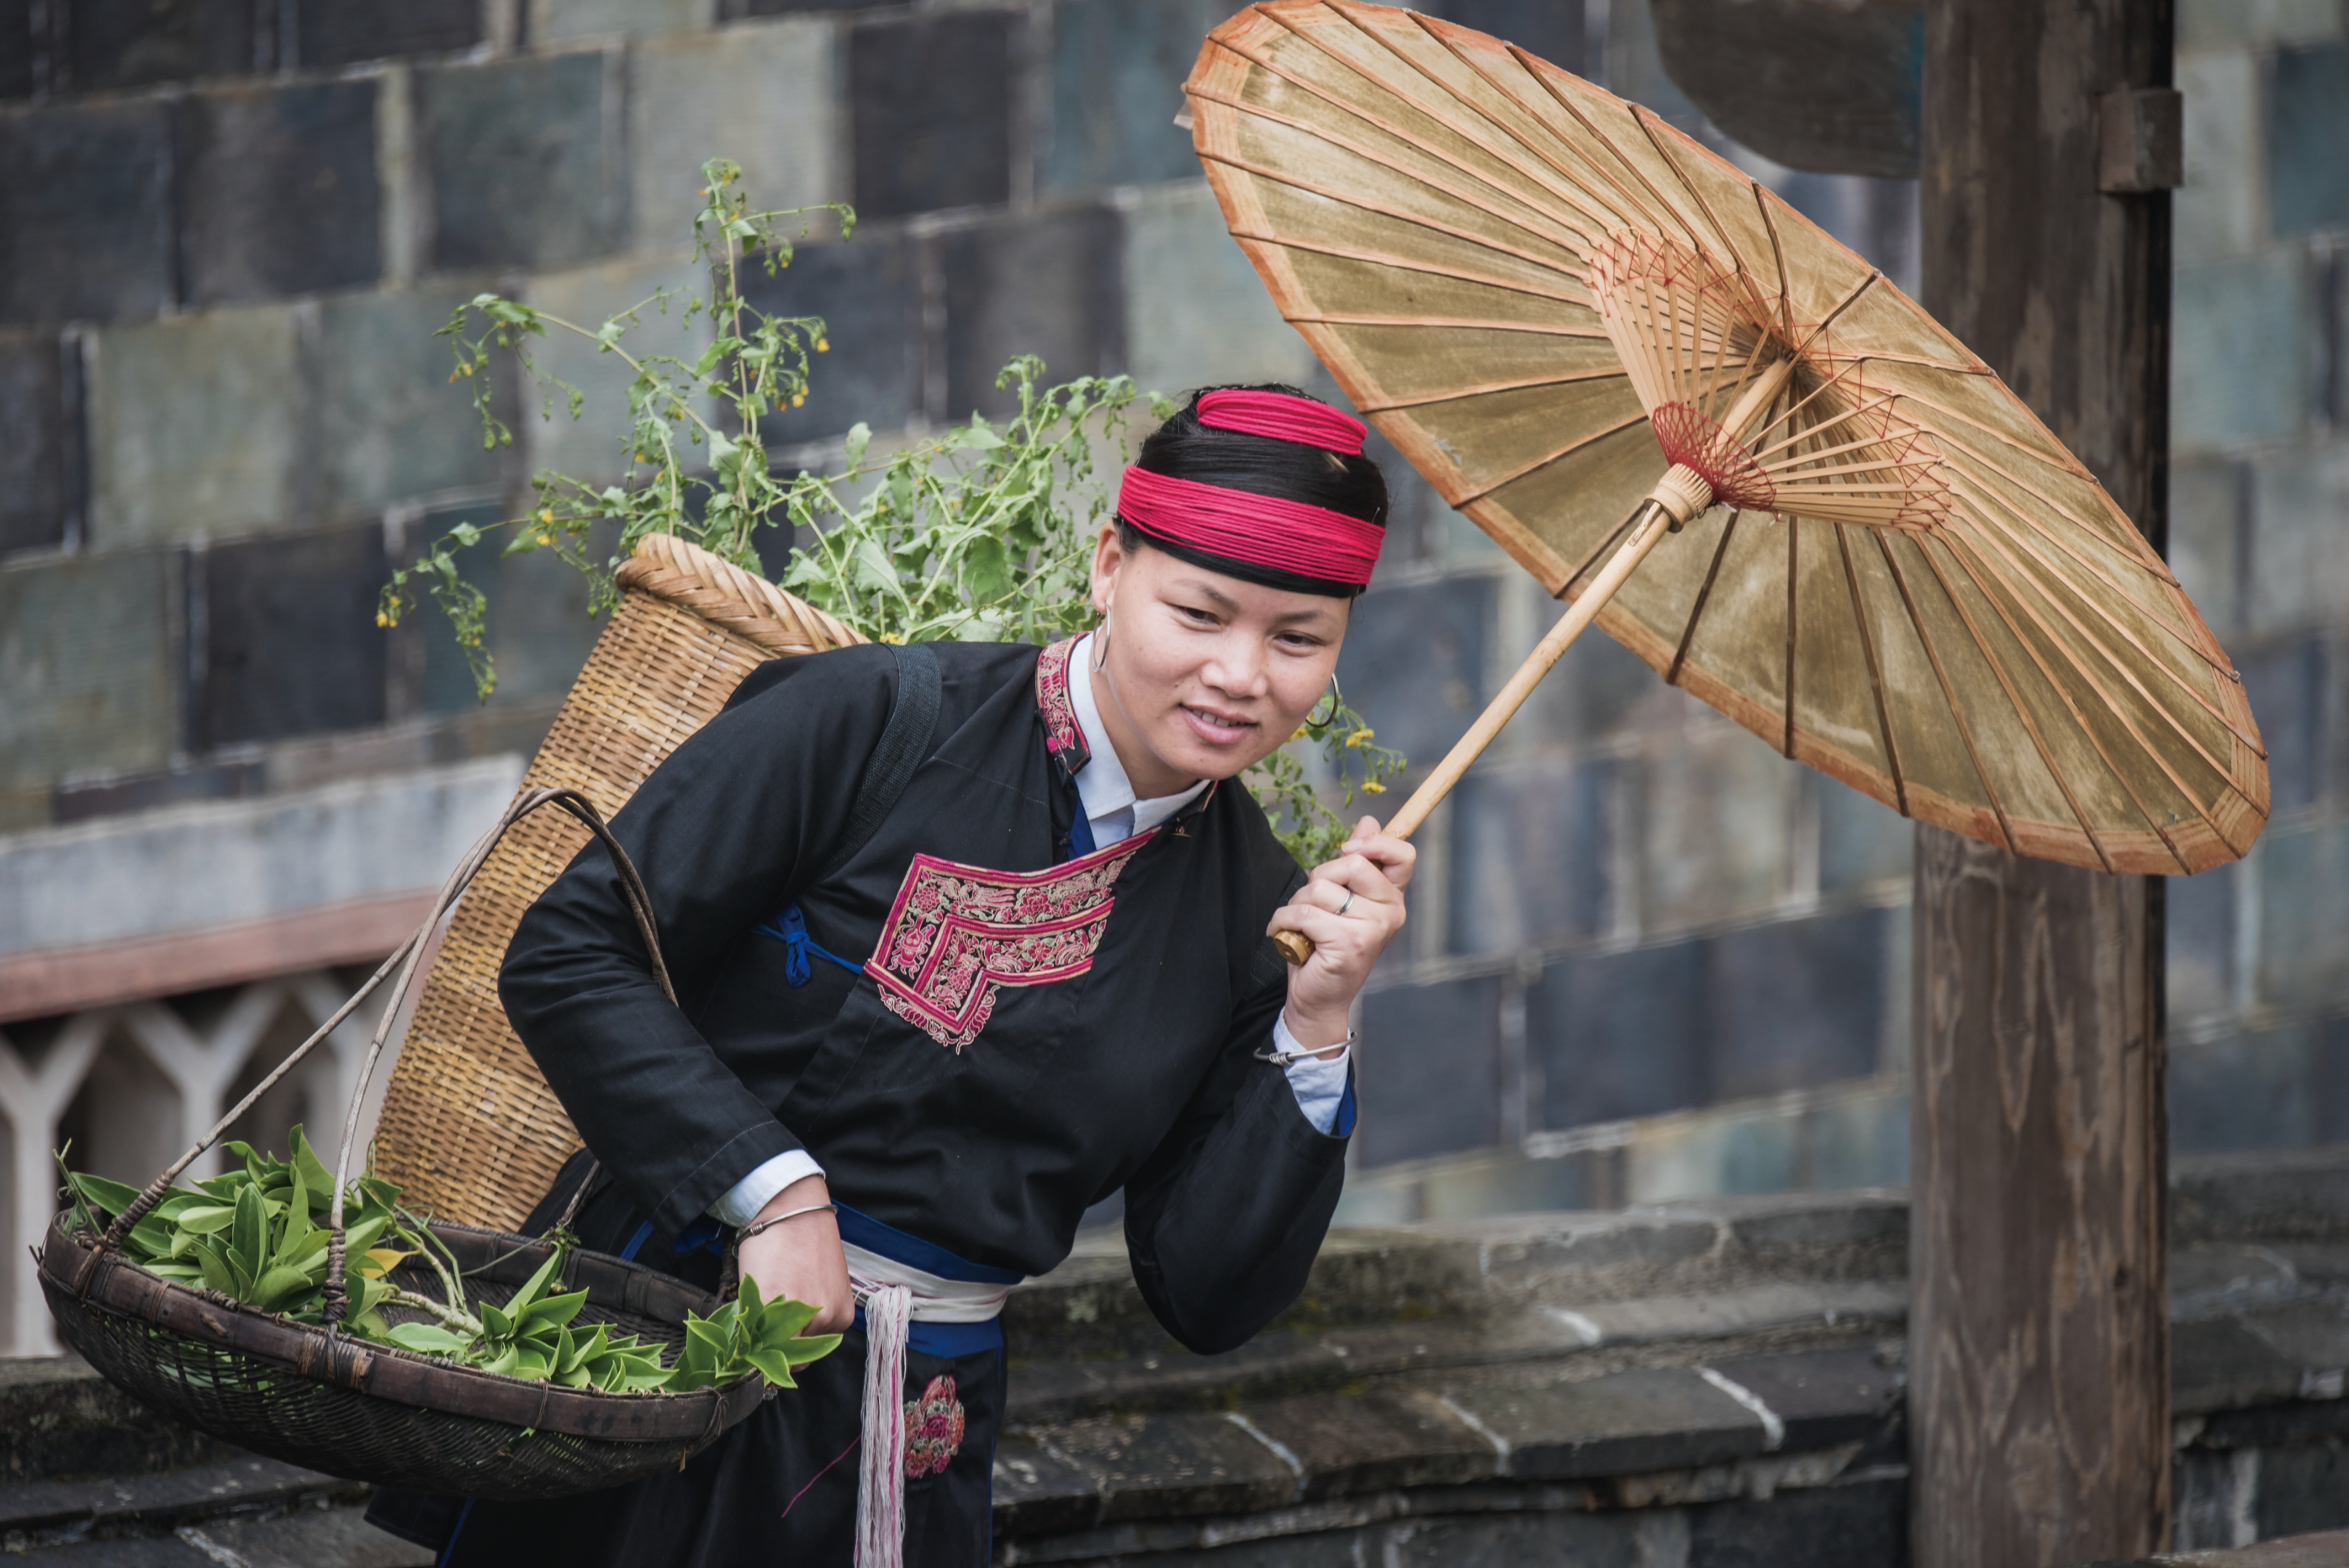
column 1182, row 448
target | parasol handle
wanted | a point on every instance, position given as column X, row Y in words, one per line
column 1660, row 515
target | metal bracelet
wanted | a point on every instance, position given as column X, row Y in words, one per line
column 749, row 1232
column 1283, row 1058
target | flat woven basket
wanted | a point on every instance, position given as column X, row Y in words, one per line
column 470, row 1130
column 376, row 1413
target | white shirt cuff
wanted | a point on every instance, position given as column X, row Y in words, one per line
column 1319, row 1086
column 743, row 1201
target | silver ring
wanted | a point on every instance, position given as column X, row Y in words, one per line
column 1349, row 903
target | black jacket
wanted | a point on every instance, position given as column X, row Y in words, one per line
column 944, row 1096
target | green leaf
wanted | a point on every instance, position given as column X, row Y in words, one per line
column 783, row 1319
column 309, row 1252
column 535, row 1284
column 297, row 1213
column 874, row 567
column 359, row 1236
column 249, row 1232
column 496, row 1322
column 860, row 437
column 154, row 1236
column 811, row 1347
column 316, row 1177
column 774, row 1365
column 279, row 1283
column 427, row 1339
column 554, row 1310
column 219, row 1274
column 111, row 1197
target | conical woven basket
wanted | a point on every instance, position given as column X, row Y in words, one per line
column 470, row 1130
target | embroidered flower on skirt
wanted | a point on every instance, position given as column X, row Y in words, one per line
column 934, row 1425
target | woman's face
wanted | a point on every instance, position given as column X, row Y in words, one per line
column 1205, row 675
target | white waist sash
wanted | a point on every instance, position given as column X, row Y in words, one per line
column 894, row 1296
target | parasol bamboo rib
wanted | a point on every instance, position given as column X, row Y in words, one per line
column 1403, row 185
column 1679, row 497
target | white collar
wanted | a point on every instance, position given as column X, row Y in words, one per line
column 1102, row 787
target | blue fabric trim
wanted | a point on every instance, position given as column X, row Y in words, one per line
column 1344, row 1126
column 643, row 1233
column 863, row 1231
column 790, row 928
column 947, row 1340
column 450, row 1544
column 1081, row 839
column 703, row 1235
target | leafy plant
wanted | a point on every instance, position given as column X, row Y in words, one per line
column 749, row 1331
column 983, row 532
column 259, row 1235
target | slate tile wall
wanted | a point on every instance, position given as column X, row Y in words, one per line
column 2307, row 125
column 167, row 465
column 1044, row 284
column 1431, row 1061
column 868, row 292
column 1117, row 71
column 520, row 153
column 590, row 445
column 1620, row 1034
column 289, row 641
column 32, row 468
column 760, row 96
column 86, row 661
column 279, row 186
column 391, row 427
column 2260, row 491
column 96, row 45
column 339, row 33
column 1194, row 313
column 930, row 105
column 86, row 197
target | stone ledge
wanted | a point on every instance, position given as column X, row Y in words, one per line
column 59, row 1420
column 2330, row 1550
column 31, row 1511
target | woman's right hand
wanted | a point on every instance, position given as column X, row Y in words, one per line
column 802, row 1258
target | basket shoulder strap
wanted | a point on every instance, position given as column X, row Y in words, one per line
column 904, row 745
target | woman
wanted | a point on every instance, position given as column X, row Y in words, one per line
column 1071, row 990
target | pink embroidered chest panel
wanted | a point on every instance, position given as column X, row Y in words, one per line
column 959, row 934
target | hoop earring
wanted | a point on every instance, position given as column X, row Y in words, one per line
column 1101, row 642
column 1334, row 698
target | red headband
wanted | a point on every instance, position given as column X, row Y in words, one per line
column 1261, row 530
column 1283, row 417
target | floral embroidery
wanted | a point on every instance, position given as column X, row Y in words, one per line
column 934, row 1425
column 960, row 933
column 1063, row 738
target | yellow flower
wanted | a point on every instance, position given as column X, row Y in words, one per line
column 823, row 345
column 546, row 514
column 1372, row 786
column 1303, row 731
column 798, row 398
column 892, row 637
column 382, row 619
column 1359, row 736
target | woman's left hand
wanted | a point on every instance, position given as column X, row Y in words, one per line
column 1349, row 910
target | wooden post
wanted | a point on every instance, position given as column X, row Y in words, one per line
column 2039, row 1343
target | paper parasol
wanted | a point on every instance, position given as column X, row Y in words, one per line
column 1599, row 339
